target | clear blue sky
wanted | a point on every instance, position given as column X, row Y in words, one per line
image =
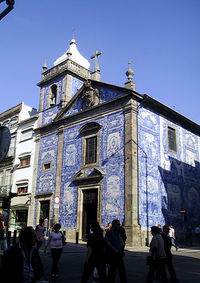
column 160, row 38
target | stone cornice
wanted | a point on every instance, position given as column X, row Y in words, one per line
column 64, row 67
column 33, row 118
column 10, row 112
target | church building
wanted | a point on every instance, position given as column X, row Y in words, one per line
column 105, row 152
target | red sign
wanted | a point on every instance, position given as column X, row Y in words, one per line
column 182, row 211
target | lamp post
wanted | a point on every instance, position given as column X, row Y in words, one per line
column 10, row 4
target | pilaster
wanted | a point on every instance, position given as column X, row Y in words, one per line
column 67, row 88
column 58, row 173
column 131, row 176
column 31, row 210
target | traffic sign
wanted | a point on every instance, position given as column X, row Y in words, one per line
column 182, row 211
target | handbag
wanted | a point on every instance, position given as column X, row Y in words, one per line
column 63, row 239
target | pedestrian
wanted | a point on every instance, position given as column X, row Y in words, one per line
column 157, row 256
column 197, row 234
column 123, row 233
column 39, row 229
column 167, row 246
column 46, row 227
column 172, row 237
column 115, row 253
column 56, row 240
column 1, row 233
column 95, row 257
column 21, row 263
column 107, row 227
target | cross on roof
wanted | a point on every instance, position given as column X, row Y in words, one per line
column 96, row 66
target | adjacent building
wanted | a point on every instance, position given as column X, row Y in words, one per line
column 17, row 168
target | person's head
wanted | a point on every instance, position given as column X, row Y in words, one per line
column 41, row 221
column 56, row 227
column 95, row 227
column 155, row 230
column 116, row 225
column 166, row 229
column 27, row 237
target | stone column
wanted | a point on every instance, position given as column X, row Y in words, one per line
column 67, row 88
column 131, row 176
column 41, row 106
column 31, row 210
column 58, row 173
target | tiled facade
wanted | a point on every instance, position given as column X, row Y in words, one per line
column 172, row 179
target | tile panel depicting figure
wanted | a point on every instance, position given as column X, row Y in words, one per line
column 110, row 161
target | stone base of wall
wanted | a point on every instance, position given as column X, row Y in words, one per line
column 70, row 235
column 133, row 234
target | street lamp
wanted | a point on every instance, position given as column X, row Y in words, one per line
column 10, row 4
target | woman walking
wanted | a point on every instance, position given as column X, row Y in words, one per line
column 95, row 255
column 56, row 239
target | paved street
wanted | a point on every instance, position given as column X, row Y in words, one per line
column 186, row 262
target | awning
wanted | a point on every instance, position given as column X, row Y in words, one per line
column 20, row 201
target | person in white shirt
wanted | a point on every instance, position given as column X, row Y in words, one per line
column 56, row 239
column 172, row 237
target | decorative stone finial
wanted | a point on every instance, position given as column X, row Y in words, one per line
column 130, row 72
column 45, row 66
column 130, row 84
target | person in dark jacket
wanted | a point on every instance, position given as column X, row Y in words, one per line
column 167, row 247
column 95, row 255
column 115, row 253
column 21, row 263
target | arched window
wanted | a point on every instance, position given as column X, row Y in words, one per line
column 53, row 97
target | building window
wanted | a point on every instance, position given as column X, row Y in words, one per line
column 91, row 150
column 47, row 166
column 172, row 144
column 53, row 98
column 21, row 216
column 91, row 139
column 1, row 178
column 11, row 151
column 14, row 122
column 8, row 177
column 24, row 162
column 22, row 189
column 6, row 123
column 27, row 134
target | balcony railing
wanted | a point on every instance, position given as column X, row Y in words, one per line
column 4, row 190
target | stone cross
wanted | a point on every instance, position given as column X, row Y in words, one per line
column 96, row 66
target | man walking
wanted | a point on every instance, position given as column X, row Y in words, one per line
column 157, row 256
column 115, row 253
